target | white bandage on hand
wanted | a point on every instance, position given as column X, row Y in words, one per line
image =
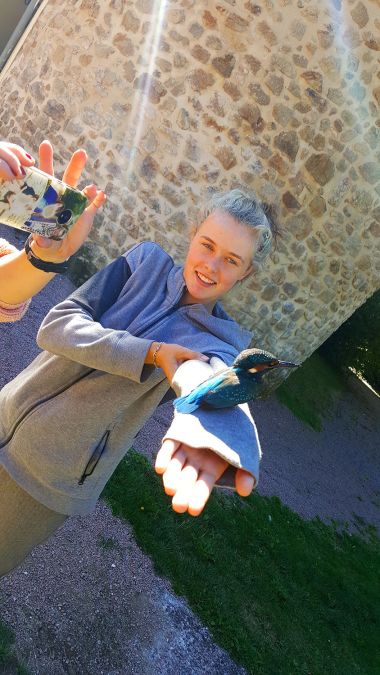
column 189, row 374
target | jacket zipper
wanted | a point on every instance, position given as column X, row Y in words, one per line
column 67, row 386
column 38, row 403
column 95, row 457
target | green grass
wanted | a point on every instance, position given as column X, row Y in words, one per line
column 9, row 664
column 107, row 543
column 284, row 596
column 6, row 641
column 312, row 391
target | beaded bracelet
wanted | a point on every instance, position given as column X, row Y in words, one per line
column 159, row 345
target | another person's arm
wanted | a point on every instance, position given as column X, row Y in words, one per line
column 19, row 279
column 10, row 311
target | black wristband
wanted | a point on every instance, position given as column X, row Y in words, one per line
column 44, row 265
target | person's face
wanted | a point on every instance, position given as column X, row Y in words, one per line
column 219, row 255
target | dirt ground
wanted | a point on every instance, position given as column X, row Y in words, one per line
column 78, row 607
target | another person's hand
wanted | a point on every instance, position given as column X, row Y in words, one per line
column 170, row 356
column 189, row 475
column 12, row 160
column 58, row 251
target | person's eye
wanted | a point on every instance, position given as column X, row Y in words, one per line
column 207, row 245
column 232, row 261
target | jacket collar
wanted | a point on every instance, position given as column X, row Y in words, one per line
column 217, row 321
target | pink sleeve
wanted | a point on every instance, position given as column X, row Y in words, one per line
column 10, row 312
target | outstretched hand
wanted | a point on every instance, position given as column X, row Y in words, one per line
column 189, row 475
column 13, row 159
column 58, row 251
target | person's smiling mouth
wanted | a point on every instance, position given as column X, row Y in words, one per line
column 204, row 280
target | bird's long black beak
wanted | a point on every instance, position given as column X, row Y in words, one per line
column 287, row 364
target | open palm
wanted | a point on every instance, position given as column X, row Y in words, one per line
column 189, row 475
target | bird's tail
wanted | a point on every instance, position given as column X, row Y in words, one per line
column 184, row 405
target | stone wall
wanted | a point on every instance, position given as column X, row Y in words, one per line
column 171, row 97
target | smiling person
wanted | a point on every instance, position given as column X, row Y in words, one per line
column 21, row 275
column 112, row 350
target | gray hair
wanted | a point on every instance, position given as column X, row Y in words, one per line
column 248, row 210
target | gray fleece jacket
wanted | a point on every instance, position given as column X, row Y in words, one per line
column 67, row 420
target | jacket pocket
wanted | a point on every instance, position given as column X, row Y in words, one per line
column 95, row 457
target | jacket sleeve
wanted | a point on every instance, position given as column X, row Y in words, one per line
column 72, row 328
column 11, row 312
column 231, row 433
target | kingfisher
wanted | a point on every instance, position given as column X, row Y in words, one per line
column 239, row 383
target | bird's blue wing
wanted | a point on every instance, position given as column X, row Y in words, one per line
column 183, row 405
column 233, row 390
column 192, row 401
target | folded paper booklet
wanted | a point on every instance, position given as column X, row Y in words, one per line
column 40, row 203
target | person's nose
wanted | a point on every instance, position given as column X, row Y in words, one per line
column 213, row 267
column 213, row 264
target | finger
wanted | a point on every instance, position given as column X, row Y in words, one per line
column 171, row 477
column 45, row 153
column 97, row 201
column 90, row 192
column 12, row 160
column 202, row 490
column 185, row 487
column 75, row 167
column 187, row 354
column 80, row 230
column 17, row 150
column 244, row 482
column 164, row 455
column 10, row 169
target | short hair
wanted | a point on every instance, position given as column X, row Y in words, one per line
column 245, row 207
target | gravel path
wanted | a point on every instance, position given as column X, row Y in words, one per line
column 78, row 607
